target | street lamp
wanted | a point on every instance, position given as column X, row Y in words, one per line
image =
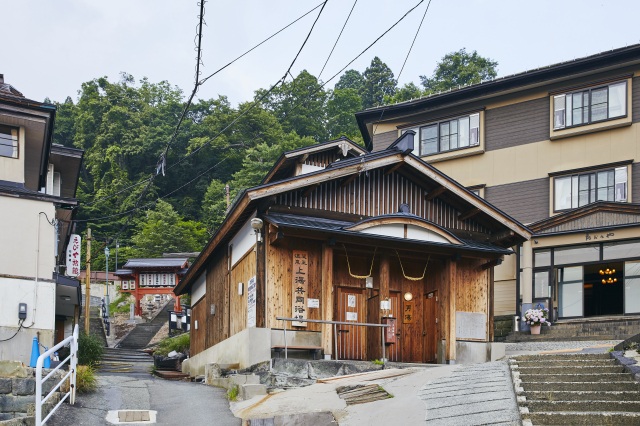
column 106, row 281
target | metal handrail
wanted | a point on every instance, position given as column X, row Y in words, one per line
column 73, row 360
column 335, row 333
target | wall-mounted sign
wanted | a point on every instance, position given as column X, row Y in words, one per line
column 351, row 300
column 408, row 316
column 300, row 286
column 251, row 302
column 352, row 316
column 73, row 255
column 313, row 303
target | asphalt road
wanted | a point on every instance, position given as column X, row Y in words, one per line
column 176, row 402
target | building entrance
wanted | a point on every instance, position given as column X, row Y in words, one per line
column 604, row 289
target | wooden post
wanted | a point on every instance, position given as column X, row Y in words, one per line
column 490, row 303
column 450, row 352
column 87, row 305
column 385, row 275
column 261, row 305
column 327, row 299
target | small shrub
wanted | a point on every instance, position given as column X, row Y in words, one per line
column 377, row 362
column 233, row 392
column 113, row 305
column 86, row 380
column 90, row 349
column 179, row 343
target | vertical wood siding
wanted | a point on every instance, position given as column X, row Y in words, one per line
column 241, row 272
column 199, row 336
column 383, row 140
column 635, row 99
column 373, row 193
column 217, row 325
column 279, row 278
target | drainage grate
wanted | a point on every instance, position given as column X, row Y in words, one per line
column 132, row 416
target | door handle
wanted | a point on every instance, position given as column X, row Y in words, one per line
column 343, row 331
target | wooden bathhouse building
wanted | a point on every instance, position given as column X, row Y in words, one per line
column 337, row 233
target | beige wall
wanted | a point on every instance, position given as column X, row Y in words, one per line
column 12, row 169
column 26, row 236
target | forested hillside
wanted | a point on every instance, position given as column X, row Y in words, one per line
column 127, row 193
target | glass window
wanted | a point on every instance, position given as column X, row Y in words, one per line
column 570, row 291
column 541, row 287
column 448, row 135
column 631, row 287
column 541, row 258
column 590, row 106
column 8, row 141
column 579, row 190
column 621, row 250
column 576, row 254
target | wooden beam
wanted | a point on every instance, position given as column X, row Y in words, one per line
column 469, row 213
column 434, row 193
column 450, row 350
column 502, row 236
column 392, row 169
column 327, row 298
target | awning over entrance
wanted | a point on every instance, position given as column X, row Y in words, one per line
column 68, row 295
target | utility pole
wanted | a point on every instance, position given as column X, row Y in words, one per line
column 87, row 305
column 228, row 195
column 106, row 290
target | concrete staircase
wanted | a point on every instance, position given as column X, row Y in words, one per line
column 141, row 335
column 616, row 328
column 125, row 361
column 575, row 389
column 95, row 323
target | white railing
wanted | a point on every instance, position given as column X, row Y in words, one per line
column 72, row 359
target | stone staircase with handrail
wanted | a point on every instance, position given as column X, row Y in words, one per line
column 575, row 389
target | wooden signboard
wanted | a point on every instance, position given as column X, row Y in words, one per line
column 408, row 316
column 300, row 286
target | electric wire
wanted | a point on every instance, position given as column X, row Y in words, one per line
column 15, row 334
column 337, row 39
column 405, row 62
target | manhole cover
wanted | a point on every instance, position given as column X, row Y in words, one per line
column 132, row 416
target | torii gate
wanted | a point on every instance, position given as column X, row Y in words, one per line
column 141, row 277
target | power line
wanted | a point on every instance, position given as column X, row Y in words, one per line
column 337, row 39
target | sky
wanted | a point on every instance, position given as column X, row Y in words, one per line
column 51, row 47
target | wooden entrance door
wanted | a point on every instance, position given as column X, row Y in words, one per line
column 430, row 330
column 351, row 308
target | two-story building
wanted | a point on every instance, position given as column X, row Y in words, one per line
column 38, row 181
column 557, row 148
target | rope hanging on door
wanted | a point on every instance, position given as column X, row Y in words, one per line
column 413, row 278
column 362, row 277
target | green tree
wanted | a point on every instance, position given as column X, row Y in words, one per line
column 341, row 107
column 214, row 205
column 351, row 79
column 64, row 131
column 164, row 230
column 378, row 83
column 459, row 69
column 406, row 93
column 299, row 106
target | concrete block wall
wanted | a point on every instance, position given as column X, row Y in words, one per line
column 502, row 326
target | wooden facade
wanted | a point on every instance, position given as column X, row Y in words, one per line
column 427, row 246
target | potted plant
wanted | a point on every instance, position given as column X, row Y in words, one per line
column 535, row 318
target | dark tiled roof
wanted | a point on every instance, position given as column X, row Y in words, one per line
column 337, row 226
column 161, row 262
column 7, row 89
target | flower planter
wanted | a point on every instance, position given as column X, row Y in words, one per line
column 535, row 329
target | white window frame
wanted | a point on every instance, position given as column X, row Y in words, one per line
column 593, row 191
column 564, row 106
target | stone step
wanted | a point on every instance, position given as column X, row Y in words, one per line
column 593, row 377
column 561, row 357
column 567, row 363
column 582, row 395
column 583, row 406
column 584, row 418
column 541, row 386
column 571, row 369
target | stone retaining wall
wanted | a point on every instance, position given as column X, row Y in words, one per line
column 502, row 326
column 17, row 392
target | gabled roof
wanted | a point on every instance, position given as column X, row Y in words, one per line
column 605, row 214
column 161, row 262
column 620, row 57
column 508, row 231
column 285, row 165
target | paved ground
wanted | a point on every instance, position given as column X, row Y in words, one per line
column 176, row 403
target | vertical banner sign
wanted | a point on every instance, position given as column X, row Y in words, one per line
column 73, row 256
column 300, row 286
column 251, row 302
